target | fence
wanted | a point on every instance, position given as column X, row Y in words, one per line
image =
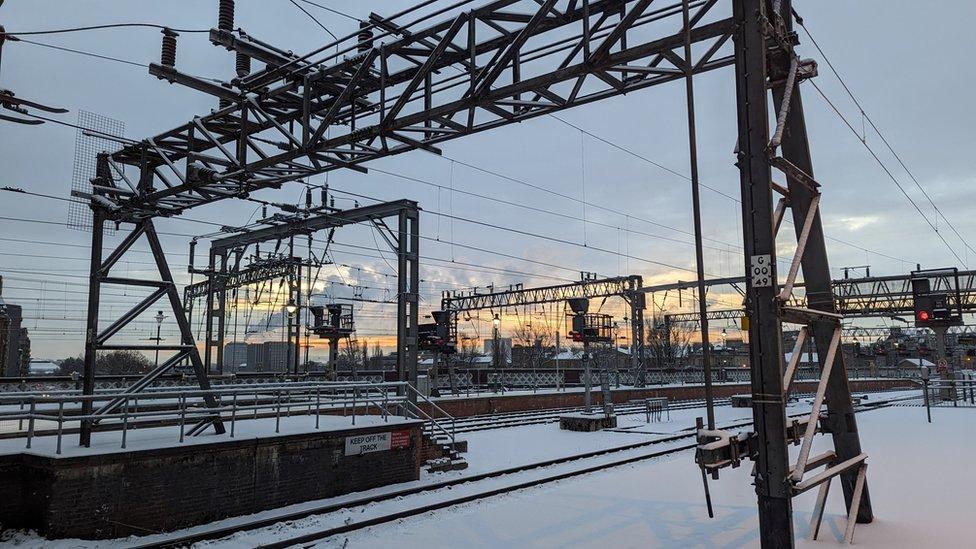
column 31, row 414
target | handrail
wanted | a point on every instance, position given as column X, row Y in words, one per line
column 448, row 433
column 438, row 408
column 184, row 405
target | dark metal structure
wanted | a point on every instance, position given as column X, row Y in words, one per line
column 223, row 271
column 766, row 60
column 873, row 296
column 333, row 322
column 504, row 62
column 630, row 288
column 218, row 283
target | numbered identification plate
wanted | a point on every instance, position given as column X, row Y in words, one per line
column 761, row 271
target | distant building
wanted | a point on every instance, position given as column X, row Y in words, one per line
column 14, row 344
column 269, row 356
column 504, row 347
column 235, row 356
column 41, row 367
column 276, row 356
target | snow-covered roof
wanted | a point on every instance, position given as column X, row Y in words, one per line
column 915, row 362
column 804, row 358
column 40, row 367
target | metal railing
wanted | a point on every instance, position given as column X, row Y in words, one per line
column 57, row 413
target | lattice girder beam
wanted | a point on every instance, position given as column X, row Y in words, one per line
column 313, row 117
column 617, row 286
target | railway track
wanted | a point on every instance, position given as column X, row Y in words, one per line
column 349, row 526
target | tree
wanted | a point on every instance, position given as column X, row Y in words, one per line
column 110, row 363
column 71, row 364
column 466, row 351
column 667, row 342
column 533, row 339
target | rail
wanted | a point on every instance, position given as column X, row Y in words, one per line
column 32, row 414
column 431, row 423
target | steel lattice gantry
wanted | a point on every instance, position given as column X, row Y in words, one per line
column 501, row 63
column 404, row 241
column 303, row 116
column 627, row 287
column 509, row 61
column 873, row 296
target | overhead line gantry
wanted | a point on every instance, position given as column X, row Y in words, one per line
column 511, row 61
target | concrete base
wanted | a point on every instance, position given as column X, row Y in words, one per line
column 741, row 401
column 586, row 423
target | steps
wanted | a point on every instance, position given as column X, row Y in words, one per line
column 441, row 453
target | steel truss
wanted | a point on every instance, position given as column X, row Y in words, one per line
column 766, row 61
column 505, row 62
column 223, row 272
column 876, row 296
column 630, row 288
column 98, row 339
column 483, row 69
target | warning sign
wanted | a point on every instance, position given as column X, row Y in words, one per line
column 364, row 444
column 400, row 439
column 377, row 442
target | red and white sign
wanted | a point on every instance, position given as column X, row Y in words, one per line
column 400, row 439
column 377, row 442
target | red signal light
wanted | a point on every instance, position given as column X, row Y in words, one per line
column 923, row 315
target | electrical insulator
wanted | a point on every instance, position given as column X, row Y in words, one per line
column 365, row 37
column 222, row 102
column 102, row 170
column 225, row 15
column 193, row 253
column 167, row 56
column 243, row 65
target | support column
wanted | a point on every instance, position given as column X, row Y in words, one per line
column 638, row 360
column 221, row 315
column 765, row 349
column 408, row 278
column 696, row 209
column 91, row 329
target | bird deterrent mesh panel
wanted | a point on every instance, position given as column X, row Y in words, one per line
column 89, row 141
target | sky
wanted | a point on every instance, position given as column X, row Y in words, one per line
column 617, row 211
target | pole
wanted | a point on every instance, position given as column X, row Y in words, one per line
column 765, row 347
column 587, row 398
column 696, row 207
column 159, row 326
column 557, row 361
column 91, row 333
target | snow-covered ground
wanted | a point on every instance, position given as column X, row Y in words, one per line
column 920, row 485
column 107, row 442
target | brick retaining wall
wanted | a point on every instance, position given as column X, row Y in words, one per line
column 463, row 407
column 119, row 494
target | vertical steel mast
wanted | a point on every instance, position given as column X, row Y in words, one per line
column 765, row 60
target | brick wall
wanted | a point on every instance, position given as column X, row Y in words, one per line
column 113, row 495
column 462, row 407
